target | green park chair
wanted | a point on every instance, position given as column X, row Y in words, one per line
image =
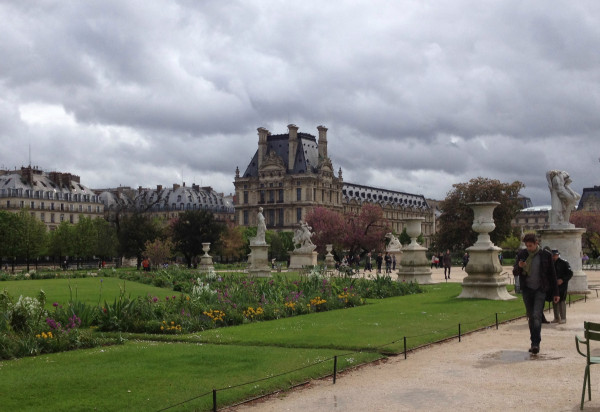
column 591, row 333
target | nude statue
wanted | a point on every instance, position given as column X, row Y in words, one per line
column 563, row 198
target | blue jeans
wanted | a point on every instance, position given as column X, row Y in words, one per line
column 534, row 304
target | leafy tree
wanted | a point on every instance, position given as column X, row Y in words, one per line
column 61, row 240
column 511, row 243
column 355, row 232
column 232, row 242
column 31, row 236
column 85, row 239
column 280, row 244
column 590, row 221
column 9, row 223
column 191, row 229
column 456, row 219
column 106, row 239
column 328, row 227
column 133, row 233
column 365, row 230
column 159, row 251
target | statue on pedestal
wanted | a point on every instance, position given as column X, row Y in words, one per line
column 394, row 244
column 261, row 228
column 301, row 240
column 563, row 198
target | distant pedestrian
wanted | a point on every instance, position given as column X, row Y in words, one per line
column 394, row 262
column 465, row 260
column 433, row 261
column 379, row 261
column 368, row 265
column 388, row 263
column 447, row 261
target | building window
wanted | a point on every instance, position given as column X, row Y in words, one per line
column 62, row 217
column 246, row 220
column 32, row 205
column 262, row 196
column 280, row 212
column 52, row 217
column 8, row 203
column 42, row 206
column 245, row 197
column 89, row 209
column 271, row 217
column 299, row 194
column 271, row 196
column 81, row 208
column 22, row 204
column 71, row 218
column 71, row 207
column 42, row 217
column 298, row 214
column 280, row 200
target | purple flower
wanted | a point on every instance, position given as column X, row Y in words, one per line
column 154, row 299
column 55, row 304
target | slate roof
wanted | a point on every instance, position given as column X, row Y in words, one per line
column 307, row 154
column 589, row 193
column 360, row 193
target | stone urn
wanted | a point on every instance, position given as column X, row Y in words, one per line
column 483, row 280
column 205, row 248
column 206, row 261
column 415, row 265
column 329, row 260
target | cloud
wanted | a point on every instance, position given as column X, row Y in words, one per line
column 416, row 96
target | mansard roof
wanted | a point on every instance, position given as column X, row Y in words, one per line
column 590, row 194
column 191, row 197
column 361, row 193
column 307, row 154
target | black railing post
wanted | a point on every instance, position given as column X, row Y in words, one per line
column 334, row 369
column 496, row 320
column 214, row 400
column 405, row 347
column 459, row 332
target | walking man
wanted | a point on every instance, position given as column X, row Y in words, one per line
column 388, row 263
column 563, row 275
column 368, row 263
column 537, row 276
column 447, row 264
column 379, row 261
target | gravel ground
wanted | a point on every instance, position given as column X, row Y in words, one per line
column 488, row 370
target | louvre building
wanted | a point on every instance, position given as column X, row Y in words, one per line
column 292, row 173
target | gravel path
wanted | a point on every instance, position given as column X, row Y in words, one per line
column 488, row 370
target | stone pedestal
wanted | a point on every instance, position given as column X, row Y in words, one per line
column 206, row 261
column 299, row 259
column 568, row 242
column 259, row 259
column 483, row 280
column 414, row 266
column 329, row 260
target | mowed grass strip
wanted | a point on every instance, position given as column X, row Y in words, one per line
column 87, row 290
column 422, row 318
column 153, row 376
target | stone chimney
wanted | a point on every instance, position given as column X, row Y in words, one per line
column 176, row 186
column 322, row 142
column 292, row 145
column 158, row 188
column 262, row 144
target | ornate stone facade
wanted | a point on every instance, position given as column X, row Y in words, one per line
column 292, row 173
column 52, row 197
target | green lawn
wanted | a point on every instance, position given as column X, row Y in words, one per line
column 150, row 375
column 88, row 290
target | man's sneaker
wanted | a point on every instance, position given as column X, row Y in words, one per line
column 562, row 321
column 555, row 321
column 534, row 349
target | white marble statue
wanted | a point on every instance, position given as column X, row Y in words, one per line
column 394, row 244
column 261, row 227
column 302, row 242
column 563, row 198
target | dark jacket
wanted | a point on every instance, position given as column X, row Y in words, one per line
column 547, row 271
column 447, row 260
column 564, row 272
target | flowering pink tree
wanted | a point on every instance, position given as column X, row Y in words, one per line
column 328, row 227
column 159, row 251
column 366, row 230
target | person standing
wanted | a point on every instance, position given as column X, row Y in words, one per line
column 368, row 262
column 388, row 263
column 537, row 277
column 393, row 262
column 379, row 261
column 447, row 261
column 465, row 260
column 563, row 275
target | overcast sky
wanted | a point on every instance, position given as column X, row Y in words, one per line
column 417, row 95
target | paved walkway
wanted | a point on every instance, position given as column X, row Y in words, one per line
column 489, row 370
